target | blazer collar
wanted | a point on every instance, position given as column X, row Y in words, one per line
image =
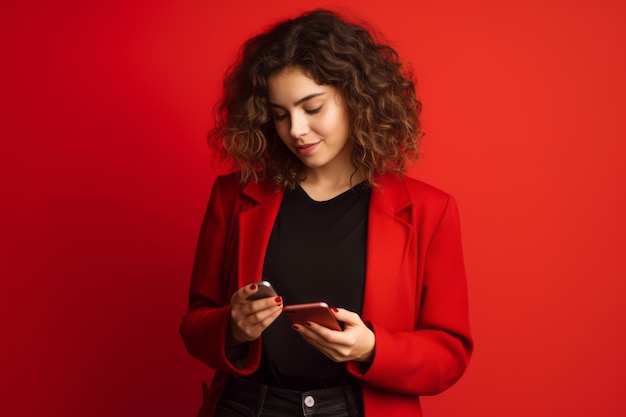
column 391, row 194
column 261, row 191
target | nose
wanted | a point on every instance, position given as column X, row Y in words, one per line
column 299, row 125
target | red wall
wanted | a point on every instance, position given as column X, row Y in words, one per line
column 105, row 174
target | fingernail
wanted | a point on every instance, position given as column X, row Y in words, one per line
column 335, row 309
column 308, row 323
column 278, row 299
column 253, row 287
column 295, row 327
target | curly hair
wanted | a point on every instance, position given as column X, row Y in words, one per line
column 377, row 87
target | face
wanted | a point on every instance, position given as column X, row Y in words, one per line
column 312, row 121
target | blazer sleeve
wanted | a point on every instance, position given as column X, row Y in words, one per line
column 204, row 328
column 430, row 358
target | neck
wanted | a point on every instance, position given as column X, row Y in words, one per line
column 324, row 186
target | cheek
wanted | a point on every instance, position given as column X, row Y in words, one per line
column 337, row 125
column 327, row 123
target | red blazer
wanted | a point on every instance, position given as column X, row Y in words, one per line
column 415, row 289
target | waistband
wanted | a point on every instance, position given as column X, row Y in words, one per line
column 311, row 402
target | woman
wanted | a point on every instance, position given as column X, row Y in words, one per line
column 319, row 120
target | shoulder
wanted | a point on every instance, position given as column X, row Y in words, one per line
column 421, row 189
column 228, row 181
column 411, row 191
column 230, row 186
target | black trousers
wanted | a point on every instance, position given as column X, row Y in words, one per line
column 248, row 399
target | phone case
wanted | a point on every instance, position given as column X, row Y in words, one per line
column 316, row 312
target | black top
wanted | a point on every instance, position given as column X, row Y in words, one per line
column 316, row 252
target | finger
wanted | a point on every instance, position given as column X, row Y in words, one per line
column 253, row 307
column 271, row 317
column 251, row 326
column 250, row 289
column 268, row 302
column 257, row 316
column 243, row 293
column 346, row 316
column 319, row 334
column 243, row 308
column 248, row 314
column 328, row 350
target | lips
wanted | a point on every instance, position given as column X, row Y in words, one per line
column 306, row 148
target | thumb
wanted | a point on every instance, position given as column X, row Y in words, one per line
column 346, row 316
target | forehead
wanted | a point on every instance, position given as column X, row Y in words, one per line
column 292, row 84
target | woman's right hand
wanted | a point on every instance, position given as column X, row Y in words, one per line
column 248, row 319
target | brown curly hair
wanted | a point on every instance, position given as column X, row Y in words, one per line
column 378, row 89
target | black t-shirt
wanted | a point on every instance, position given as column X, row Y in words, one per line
column 316, row 252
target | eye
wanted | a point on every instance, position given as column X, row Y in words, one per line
column 314, row 111
column 279, row 117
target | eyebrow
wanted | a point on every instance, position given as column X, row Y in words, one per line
column 302, row 100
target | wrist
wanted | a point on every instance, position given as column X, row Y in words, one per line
column 368, row 356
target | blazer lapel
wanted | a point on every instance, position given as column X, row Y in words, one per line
column 255, row 228
column 388, row 240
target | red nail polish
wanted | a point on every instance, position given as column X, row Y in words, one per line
column 278, row 299
column 295, row 327
column 335, row 309
column 253, row 287
column 308, row 323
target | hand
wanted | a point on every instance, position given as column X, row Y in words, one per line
column 355, row 343
column 248, row 318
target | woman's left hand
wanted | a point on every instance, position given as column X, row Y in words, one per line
column 355, row 343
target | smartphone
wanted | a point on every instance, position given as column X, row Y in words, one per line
column 265, row 290
column 316, row 312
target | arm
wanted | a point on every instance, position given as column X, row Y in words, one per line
column 430, row 358
column 205, row 328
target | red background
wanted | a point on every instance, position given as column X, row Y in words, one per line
column 105, row 174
